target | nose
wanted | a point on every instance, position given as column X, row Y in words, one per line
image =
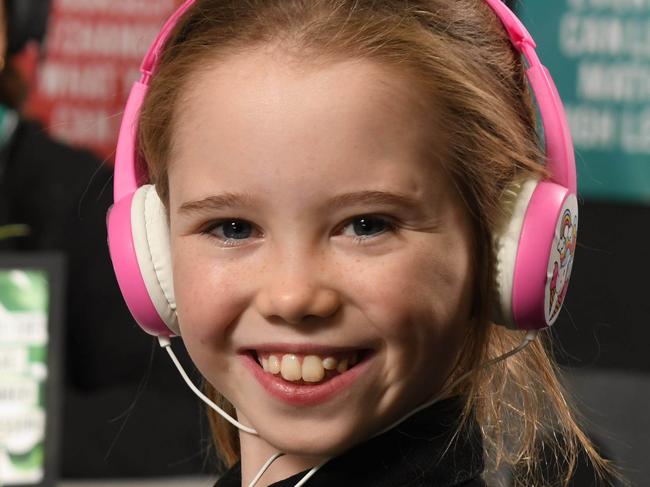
column 295, row 292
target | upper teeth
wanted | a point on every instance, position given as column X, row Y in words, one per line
column 309, row 368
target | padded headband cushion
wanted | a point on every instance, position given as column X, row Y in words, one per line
column 152, row 248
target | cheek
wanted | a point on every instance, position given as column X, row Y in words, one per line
column 207, row 295
column 420, row 305
column 209, row 299
column 426, row 285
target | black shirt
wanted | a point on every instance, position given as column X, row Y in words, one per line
column 413, row 454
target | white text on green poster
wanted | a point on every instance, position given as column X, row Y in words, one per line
column 598, row 52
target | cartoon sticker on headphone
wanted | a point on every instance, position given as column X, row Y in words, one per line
column 561, row 261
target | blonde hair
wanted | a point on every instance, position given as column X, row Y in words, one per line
column 459, row 55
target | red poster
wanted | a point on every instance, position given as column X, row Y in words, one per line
column 93, row 51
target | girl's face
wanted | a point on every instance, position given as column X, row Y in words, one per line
column 311, row 227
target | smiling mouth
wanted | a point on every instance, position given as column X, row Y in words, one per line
column 308, row 369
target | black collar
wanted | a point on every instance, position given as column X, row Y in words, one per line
column 413, row 454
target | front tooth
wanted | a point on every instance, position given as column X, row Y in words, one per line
column 265, row 364
column 312, row 369
column 329, row 363
column 290, row 368
column 343, row 366
column 274, row 364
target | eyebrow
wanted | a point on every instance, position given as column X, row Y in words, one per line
column 230, row 200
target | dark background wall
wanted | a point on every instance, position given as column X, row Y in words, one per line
column 606, row 320
column 603, row 333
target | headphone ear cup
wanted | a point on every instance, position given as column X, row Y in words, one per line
column 535, row 256
column 506, row 245
column 152, row 246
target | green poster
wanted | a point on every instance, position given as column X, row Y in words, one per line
column 23, row 373
column 598, row 52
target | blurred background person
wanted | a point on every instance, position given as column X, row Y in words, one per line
column 59, row 196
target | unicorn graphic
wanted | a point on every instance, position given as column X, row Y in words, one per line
column 566, row 246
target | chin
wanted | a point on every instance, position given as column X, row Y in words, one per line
column 309, row 438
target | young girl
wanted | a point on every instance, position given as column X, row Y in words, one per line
column 349, row 199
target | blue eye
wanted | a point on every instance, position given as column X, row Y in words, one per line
column 368, row 226
column 229, row 231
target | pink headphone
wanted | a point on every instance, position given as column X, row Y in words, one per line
column 534, row 251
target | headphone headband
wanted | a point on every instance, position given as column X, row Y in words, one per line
column 125, row 177
column 560, row 159
column 151, row 58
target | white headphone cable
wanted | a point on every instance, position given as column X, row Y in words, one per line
column 165, row 343
column 265, row 467
column 530, row 337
